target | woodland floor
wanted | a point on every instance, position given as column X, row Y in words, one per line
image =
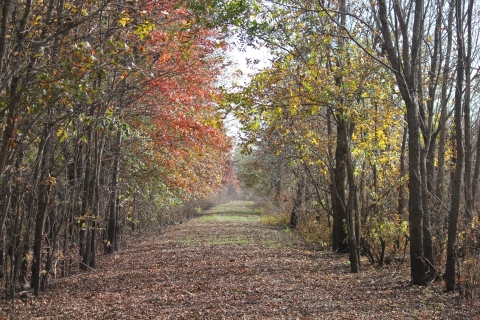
column 227, row 265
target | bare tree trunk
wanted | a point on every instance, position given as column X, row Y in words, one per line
column 112, row 221
column 469, row 192
column 341, row 148
column 6, row 10
column 405, row 65
column 333, row 188
column 427, row 235
column 31, row 205
column 351, row 210
column 297, row 204
column 86, row 201
column 86, row 213
column 457, row 178
column 401, row 191
column 340, row 200
column 99, row 145
column 44, row 196
column 439, row 188
column 19, row 212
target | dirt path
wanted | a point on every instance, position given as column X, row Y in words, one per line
column 227, row 265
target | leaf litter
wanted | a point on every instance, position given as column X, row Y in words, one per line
column 227, row 265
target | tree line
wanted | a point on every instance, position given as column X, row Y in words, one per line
column 109, row 120
column 366, row 122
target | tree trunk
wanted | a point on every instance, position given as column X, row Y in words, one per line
column 405, row 66
column 86, row 201
column 44, row 196
column 31, row 205
column 99, row 145
column 340, row 203
column 427, row 235
column 439, row 187
column 469, row 192
column 112, row 221
column 333, row 188
column 297, row 204
column 6, row 10
column 401, row 188
column 351, row 210
column 458, row 162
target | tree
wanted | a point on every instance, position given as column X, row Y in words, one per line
column 80, row 125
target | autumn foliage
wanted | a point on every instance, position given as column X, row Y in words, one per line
column 109, row 123
column 186, row 131
column 364, row 123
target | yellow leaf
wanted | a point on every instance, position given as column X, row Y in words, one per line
column 124, row 20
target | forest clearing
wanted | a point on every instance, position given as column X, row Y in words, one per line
column 227, row 264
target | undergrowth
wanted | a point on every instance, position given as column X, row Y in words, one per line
column 313, row 232
column 273, row 214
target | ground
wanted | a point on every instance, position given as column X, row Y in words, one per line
column 226, row 264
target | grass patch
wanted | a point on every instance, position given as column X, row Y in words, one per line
column 243, row 207
column 232, row 218
column 236, row 240
column 216, row 241
column 228, row 241
column 232, row 212
column 233, row 223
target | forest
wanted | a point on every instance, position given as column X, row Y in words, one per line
column 367, row 121
column 109, row 121
column 361, row 135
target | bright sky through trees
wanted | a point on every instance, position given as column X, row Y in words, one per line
column 242, row 64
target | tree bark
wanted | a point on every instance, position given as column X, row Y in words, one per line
column 112, row 221
column 297, row 204
column 340, row 199
column 86, row 200
column 333, row 188
column 469, row 192
column 444, row 97
column 406, row 75
column 351, row 210
column 427, row 235
column 458, row 162
column 99, row 145
column 44, row 196
column 6, row 11
column 401, row 191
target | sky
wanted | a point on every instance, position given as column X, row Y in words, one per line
column 239, row 62
column 239, row 72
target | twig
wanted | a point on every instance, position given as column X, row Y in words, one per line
column 191, row 294
column 88, row 267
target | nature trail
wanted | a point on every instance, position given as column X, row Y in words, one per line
column 226, row 264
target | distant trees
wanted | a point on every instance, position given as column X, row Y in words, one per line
column 105, row 105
